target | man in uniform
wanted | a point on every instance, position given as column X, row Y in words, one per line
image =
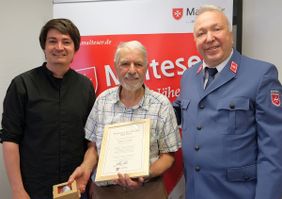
column 231, row 118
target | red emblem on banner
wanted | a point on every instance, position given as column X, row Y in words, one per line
column 275, row 98
column 177, row 13
column 200, row 68
column 91, row 74
column 233, row 67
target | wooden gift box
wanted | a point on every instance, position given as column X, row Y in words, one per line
column 66, row 191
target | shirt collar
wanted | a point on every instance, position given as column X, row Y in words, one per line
column 141, row 104
column 50, row 73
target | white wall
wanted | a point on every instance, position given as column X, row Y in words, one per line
column 262, row 31
column 20, row 23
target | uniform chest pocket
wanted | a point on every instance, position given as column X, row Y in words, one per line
column 235, row 114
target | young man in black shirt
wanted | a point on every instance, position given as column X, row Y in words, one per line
column 44, row 113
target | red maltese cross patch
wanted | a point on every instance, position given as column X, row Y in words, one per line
column 275, row 98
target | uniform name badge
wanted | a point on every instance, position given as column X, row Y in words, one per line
column 125, row 149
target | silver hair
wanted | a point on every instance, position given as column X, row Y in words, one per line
column 213, row 8
column 131, row 45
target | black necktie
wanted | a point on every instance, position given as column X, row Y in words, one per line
column 211, row 72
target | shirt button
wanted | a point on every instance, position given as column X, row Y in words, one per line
column 197, row 168
column 246, row 178
column 232, row 105
column 202, row 106
column 199, row 128
column 197, row 148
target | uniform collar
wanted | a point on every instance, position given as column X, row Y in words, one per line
column 220, row 66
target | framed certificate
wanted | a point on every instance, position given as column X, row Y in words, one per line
column 125, row 149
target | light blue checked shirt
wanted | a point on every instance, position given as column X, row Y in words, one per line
column 108, row 109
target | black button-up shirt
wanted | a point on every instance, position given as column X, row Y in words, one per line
column 46, row 117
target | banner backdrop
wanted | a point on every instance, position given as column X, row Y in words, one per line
column 164, row 27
